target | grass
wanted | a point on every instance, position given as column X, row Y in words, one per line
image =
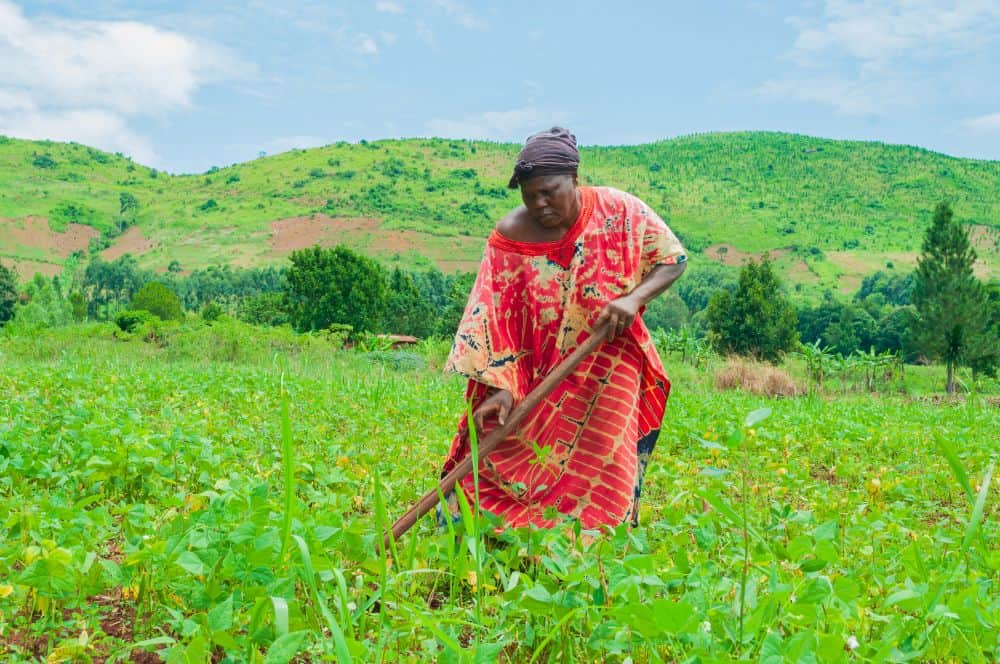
column 756, row 191
column 229, row 504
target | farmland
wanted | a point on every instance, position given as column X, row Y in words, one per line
column 218, row 494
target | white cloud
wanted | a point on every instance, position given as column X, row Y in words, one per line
column 424, row 32
column 984, row 123
column 512, row 125
column 867, row 57
column 366, row 45
column 387, row 7
column 862, row 96
column 388, row 38
column 460, row 14
column 82, row 80
column 875, row 31
column 97, row 127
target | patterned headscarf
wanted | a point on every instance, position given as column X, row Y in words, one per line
column 551, row 152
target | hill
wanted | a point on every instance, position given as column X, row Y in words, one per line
column 828, row 211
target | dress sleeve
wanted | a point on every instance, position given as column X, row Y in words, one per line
column 659, row 244
column 490, row 344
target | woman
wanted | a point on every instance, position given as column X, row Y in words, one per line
column 555, row 268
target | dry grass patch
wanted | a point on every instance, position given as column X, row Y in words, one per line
column 755, row 378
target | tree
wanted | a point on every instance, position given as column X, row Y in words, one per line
column 406, row 310
column 8, row 293
column 952, row 313
column 158, row 300
column 327, row 286
column 756, row 320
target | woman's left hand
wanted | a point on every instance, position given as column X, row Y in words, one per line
column 620, row 315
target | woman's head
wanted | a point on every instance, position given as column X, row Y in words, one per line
column 551, row 152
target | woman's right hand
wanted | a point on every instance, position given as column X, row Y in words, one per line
column 496, row 405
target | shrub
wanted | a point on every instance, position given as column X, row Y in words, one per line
column 159, row 300
column 131, row 320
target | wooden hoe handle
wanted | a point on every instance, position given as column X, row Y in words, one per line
column 447, row 483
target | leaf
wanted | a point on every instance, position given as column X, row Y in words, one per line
column 902, row 596
column 815, row 592
column 190, row 561
column 955, row 463
column 756, row 416
column 50, row 575
column 221, row 616
column 285, row 647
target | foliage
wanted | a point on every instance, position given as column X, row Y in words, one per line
column 159, row 300
column 756, row 320
column 218, row 503
column 8, row 293
column 406, row 309
column 782, row 191
column 326, row 286
column 951, row 305
column 667, row 312
column 130, row 320
column 263, row 309
column 43, row 305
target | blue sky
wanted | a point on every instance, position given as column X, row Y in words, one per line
column 183, row 85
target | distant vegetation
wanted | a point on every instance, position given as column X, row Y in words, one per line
column 831, row 212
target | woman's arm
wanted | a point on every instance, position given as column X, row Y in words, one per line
column 622, row 311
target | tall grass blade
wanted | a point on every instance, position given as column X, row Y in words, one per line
column 287, row 468
column 340, row 643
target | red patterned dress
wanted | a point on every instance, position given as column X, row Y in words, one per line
column 583, row 450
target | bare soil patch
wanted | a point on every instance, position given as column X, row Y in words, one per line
column 367, row 235
column 129, row 242
column 301, row 232
column 26, row 269
column 727, row 254
column 34, row 232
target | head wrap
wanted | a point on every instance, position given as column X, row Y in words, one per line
column 551, row 152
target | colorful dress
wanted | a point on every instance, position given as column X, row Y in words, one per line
column 582, row 452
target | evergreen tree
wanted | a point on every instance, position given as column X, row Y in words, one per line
column 327, row 286
column 8, row 293
column 159, row 300
column 406, row 311
column 756, row 320
column 952, row 315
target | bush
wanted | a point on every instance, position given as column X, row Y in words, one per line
column 131, row 320
column 158, row 300
column 211, row 312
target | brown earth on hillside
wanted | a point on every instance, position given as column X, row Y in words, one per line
column 301, row 232
column 727, row 254
column 26, row 269
column 368, row 236
column 34, row 232
column 984, row 238
column 129, row 242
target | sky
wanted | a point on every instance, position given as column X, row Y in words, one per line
column 184, row 86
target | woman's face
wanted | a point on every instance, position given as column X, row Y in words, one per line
column 551, row 200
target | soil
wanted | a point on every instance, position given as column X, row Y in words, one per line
column 35, row 232
column 129, row 242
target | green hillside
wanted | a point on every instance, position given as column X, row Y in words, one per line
column 829, row 211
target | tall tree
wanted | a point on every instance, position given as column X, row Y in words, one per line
column 8, row 293
column 327, row 286
column 406, row 310
column 756, row 320
column 952, row 316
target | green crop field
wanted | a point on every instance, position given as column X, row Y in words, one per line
column 828, row 211
column 218, row 495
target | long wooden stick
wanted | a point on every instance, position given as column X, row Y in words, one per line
column 447, row 483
